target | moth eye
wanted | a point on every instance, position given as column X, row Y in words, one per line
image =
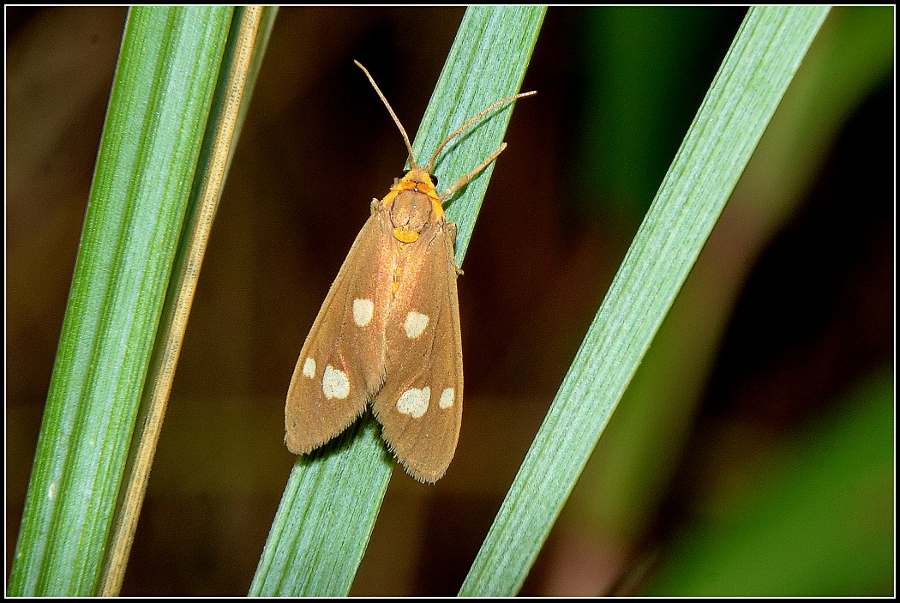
column 433, row 179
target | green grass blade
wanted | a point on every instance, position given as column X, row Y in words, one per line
column 246, row 44
column 745, row 93
column 158, row 108
column 332, row 498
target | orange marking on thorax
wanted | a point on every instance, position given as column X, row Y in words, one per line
column 416, row 180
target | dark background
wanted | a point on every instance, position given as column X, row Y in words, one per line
column 788, row 311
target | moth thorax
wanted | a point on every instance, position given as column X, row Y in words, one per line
column 411, row 211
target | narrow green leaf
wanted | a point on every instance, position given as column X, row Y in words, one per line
column 161, row 95
column 244, row 48
column 745, row 93
column 332, row 498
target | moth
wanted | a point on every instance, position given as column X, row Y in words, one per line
column 388, row 331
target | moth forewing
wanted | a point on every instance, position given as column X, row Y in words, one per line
column 420, row 405
column 342, row 362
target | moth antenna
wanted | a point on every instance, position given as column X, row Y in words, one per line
column 465, row 179
column 466, row 125
column 412, row 158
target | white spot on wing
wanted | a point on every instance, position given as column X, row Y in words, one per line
column 446, row 398
column 335, row 383
column 363, row 309
column 415, row 324
column 309, row 368
column 414, row 402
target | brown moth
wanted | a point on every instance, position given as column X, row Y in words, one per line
column 388, row 332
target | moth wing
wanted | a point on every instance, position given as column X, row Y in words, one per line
column 342, row 362
column 420, row 405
